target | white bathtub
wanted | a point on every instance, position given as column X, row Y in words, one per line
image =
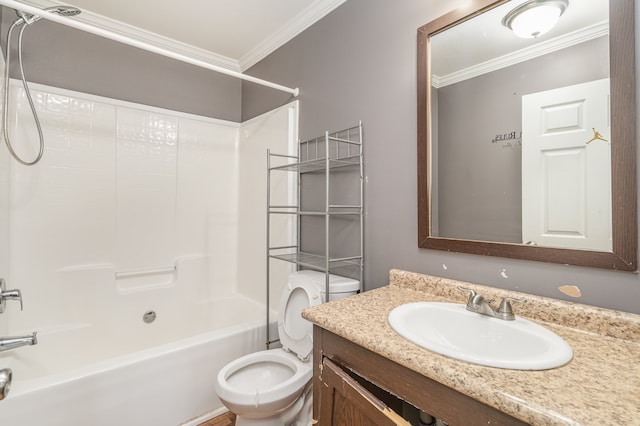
column 161, row 373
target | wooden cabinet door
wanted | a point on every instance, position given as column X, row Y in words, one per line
column 344, row 402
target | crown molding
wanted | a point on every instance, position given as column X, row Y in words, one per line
column 136, row 33
column 576, row 37
column 312, row 14
column 318, row 10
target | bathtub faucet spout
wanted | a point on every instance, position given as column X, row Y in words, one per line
column 7, row 343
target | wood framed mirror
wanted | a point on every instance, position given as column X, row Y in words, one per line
column 457, row 218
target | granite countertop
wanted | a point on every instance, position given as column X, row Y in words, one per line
column 599, row 386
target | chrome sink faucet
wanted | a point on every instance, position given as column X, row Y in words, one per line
column 478, row 304
column 7, row 343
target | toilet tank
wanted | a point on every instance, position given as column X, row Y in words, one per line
column 339, row 287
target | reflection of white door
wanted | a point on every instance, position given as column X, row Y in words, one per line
column 566, row 167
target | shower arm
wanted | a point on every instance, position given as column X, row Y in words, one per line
column 143, row 45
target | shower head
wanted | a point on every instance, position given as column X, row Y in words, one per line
column 64, row 10
column 28, row 18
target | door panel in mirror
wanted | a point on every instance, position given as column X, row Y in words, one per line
column 566, row 167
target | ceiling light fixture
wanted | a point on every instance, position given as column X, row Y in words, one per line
column 535, row 17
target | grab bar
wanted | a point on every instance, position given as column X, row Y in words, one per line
column 141, row 272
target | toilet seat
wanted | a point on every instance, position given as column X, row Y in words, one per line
column 253, row 397
column 296, row 333
column 272, row 387
column 270, row 381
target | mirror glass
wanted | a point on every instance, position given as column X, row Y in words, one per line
column 520, row 135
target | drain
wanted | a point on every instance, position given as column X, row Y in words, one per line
column 149, row 317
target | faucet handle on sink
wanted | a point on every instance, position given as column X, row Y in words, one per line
column 472, row 293
column 474, row 298
column 505, row 311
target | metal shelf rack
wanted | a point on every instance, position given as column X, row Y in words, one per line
column 325, row 154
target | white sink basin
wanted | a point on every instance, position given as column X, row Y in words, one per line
column 449, row 329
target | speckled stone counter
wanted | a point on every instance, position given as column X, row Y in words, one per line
column 599, row 386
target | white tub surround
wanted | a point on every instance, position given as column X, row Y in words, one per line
column 133, row 213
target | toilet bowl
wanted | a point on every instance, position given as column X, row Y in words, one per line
column 273, row 387
column 263, row 384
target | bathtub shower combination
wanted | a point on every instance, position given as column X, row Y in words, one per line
column 133, row 243
column 87, row 374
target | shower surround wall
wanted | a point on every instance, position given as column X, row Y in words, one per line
column 127, row 201
column 121, row 188
column 4, row 206
column 133, row 209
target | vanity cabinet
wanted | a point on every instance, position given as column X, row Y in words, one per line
column 354, row 386
column 345, row 401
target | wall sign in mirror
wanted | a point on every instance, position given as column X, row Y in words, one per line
column 526, row 146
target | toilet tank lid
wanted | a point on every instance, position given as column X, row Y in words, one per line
column 337, row 283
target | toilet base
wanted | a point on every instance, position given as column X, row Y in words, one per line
column 299, row 414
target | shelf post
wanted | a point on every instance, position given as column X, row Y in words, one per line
column 268, row 286
column 326, row 217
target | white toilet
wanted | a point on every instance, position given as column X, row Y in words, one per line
column 273, row 387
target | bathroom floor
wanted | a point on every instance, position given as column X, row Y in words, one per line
column 227, row 419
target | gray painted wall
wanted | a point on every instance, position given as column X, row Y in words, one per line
column 480, row 180
column 64, row 57
column 359, row 63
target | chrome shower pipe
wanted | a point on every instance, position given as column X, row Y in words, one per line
column 143, row 45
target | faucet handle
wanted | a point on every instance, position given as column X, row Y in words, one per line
column 505, row 311
column 474, row 297
column 8, row 295
column 472, row 293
